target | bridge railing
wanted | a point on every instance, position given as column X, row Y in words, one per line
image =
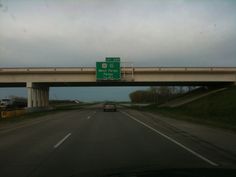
column 185, row 69
column 126, row 71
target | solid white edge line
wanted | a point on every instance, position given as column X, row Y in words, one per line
column 174, row 141
column 62, row 140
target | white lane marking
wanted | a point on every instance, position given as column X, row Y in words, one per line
column 62, row 140
column 91, row 115
column 174, row 141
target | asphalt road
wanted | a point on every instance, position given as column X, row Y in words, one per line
column 94, row 143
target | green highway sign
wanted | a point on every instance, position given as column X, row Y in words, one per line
column 108, row 70
column 112, row 59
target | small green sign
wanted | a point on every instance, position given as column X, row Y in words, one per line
column 108, row 71
column 112, row 59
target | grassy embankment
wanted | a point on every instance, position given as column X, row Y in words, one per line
column 56, row 108
column 217, row 109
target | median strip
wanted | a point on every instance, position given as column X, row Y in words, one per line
column 61, row 141
column 172, row 140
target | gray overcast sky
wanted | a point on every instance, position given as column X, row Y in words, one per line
column 145, row 32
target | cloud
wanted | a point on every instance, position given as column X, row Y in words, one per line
column 147, row 33
column 81, row 32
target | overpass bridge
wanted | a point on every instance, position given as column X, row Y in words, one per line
column 38, row 80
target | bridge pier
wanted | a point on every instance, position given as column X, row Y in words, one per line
column 34, row 100
column 29, row 100
column 38, row 96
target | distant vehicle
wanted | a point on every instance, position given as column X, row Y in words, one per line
column 77, row 101
column 13, row 103
column 109, row 107
column 5, row 103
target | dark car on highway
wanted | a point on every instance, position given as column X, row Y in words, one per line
column 109, row 107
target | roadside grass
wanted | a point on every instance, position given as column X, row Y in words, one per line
column 68, row 107
column 210, row 121
column 26, row 116
column 33, row 115
column 217, row 110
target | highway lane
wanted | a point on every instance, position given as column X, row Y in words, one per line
column 24, row 148
column 90, row 143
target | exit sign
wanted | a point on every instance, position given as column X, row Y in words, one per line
column 112, row 59
column 108, row 70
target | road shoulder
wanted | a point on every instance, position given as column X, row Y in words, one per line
column 202, row 138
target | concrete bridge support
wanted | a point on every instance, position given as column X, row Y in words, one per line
column 38, row 96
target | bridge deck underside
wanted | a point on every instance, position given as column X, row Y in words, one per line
column 116, row 83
